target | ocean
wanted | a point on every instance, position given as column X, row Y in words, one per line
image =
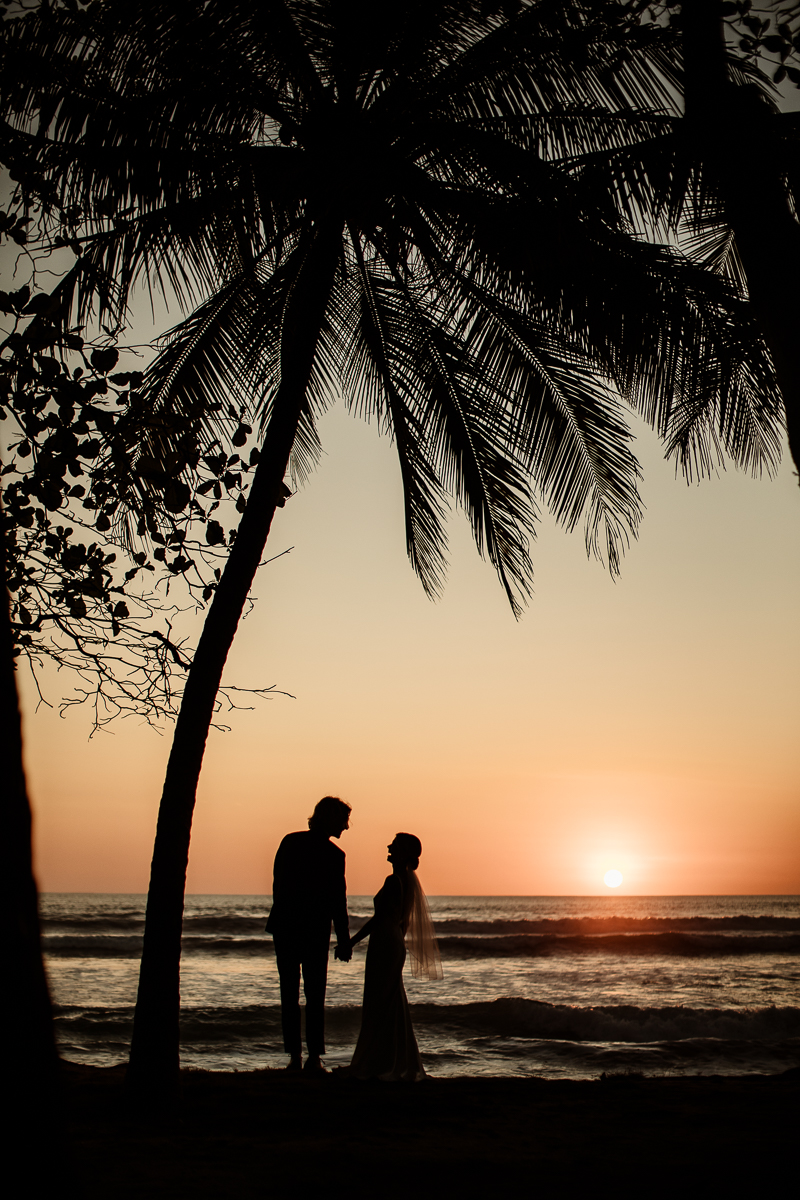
column 554, row 986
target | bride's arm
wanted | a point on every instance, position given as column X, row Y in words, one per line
column 347, row 947
column 363, row 932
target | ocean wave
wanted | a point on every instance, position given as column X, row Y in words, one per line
column 225, row 927
column 508, row 1017
column 99, row 946
column 619, row 924
column 91, row 924
column 667, row 944
column 92, row 946
column 86, row 925
column 517, row 1017
column 685, row 945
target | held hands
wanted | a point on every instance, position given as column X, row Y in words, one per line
column 343, row 951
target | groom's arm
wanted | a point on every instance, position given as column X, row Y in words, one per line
column 341, row 921
column 278, row 882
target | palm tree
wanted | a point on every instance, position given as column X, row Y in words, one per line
column 363, row 196
column 716, row 169
column 747, row 154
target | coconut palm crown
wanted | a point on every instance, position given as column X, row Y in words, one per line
column 379, row 164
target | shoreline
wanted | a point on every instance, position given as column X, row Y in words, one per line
column 264, row 1132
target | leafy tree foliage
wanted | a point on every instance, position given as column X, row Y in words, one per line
column 89, row 591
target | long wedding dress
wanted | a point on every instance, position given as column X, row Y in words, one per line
column 387, row 1048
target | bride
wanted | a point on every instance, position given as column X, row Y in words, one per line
column 386, row 1047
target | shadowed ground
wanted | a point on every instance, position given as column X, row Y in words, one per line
column 263, row 1133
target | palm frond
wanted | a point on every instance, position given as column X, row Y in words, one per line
column 373, row 385
column 199, row 385
column 464, row 438
column 568, row 427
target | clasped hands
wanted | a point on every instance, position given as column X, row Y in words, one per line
column 343, row 951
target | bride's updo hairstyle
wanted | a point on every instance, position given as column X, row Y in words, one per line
column 420, row 938
column 411, row 848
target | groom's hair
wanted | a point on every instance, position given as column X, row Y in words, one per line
column 327, row 811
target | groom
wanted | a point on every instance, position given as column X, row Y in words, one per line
column 308, row 893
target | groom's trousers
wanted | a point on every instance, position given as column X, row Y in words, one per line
column 309, row 954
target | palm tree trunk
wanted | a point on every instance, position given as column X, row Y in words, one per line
column 31, row 1057
column 155, row 1051
column 736, row 137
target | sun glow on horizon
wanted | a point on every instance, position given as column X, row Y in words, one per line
column 612, row 878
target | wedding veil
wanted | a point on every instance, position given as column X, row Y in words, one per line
column 426, row 962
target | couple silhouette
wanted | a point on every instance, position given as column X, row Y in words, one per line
column 309, row 893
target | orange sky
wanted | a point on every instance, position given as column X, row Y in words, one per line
column 649, row 725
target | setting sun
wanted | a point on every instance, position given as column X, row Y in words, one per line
column 612, row 878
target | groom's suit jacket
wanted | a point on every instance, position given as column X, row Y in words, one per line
column 309, row 890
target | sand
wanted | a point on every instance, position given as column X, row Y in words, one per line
column 266, row 1133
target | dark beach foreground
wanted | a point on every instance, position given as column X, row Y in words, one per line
column 266, row 1133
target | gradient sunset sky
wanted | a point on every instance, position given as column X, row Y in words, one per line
column 650, row 724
